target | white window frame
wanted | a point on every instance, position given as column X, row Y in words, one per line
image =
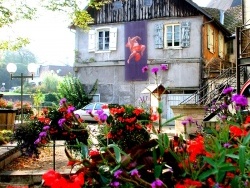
column 173, row 35
column 104, row 40
column 93, row 43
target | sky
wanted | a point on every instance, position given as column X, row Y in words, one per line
column 201, row 3
column 51, row 40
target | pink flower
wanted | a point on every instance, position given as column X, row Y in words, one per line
column 135, row 173
column 118, row 173
column 240, row 100
column 155, row 70
column 164, row 67
column 145, row 69
column 156, row 183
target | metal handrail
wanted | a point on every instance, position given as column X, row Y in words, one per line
column 203, row 91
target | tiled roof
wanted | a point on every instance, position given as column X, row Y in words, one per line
column 232, row 17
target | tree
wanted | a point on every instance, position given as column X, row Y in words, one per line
column 12, row 11
column 21, row 58
column 72, row 89
column 50, row 82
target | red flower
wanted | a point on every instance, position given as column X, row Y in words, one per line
column 247, row 119
column 130, row 120
column 149, row 127
column 105, row 106
column 153, row 117
column 93, row 153
column 138, row 111
column 196, row 147
column 50, row 176
column 189, row 183
column 237, row 131
column 130, row 128
column 78, row 179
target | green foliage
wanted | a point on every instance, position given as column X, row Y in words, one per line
column 5, row 136
column 25, row 135
column 51, row 97
column 82, row 19
column 12, row 11
column 14, row 44
column 72, row 89
column 50, row 82
column 38, row 98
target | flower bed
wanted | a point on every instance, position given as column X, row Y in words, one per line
column 131, row 153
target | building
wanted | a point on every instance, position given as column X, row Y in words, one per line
column 177, row 33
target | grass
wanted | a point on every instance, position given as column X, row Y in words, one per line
column 11, row 93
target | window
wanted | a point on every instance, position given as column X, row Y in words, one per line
column 210, row 38
column 172, row 36
column 102, row 39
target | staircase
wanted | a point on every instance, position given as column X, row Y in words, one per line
column 211, row 93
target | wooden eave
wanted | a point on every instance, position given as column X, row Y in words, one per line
column 200, row 11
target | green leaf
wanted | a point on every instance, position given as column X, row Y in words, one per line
column 84, row 149
column 117, row 151
column 242, row 158
column 210, row 161
column 222, row 158
column 227, row 167
column 206, row 174
column 163, row 142
column 246, row 139
column 220, row 176
column 235, row 182
column 233, row 156
column 157, row 171
column 171, row 119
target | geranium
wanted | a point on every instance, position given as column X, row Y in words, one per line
column 135, row 156
column 128, row 125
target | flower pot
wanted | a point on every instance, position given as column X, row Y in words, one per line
column 7, row 119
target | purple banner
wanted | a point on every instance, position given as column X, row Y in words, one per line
column 135, row 51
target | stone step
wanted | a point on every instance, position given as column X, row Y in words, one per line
column 30, row 178
column 8, row 152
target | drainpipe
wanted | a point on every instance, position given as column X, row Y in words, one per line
column 237, row 60
column 222, row 13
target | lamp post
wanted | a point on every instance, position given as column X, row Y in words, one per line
column 11, row 68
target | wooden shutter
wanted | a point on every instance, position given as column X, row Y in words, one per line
column 221, row 45
column 112, row 38
column 92, row 41
column 210, row 38
column 158, row 35
column 185, row 34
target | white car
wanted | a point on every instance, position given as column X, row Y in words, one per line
column 94, row 108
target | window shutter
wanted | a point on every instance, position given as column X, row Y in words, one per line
column 221, row 45
column 185, row 34
column 113, row 38
column 158, row 35
column 210, row 39
column 92, row 39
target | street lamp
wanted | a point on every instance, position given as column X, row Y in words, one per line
column 11, row 68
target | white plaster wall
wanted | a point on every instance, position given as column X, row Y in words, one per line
column 108, row 68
